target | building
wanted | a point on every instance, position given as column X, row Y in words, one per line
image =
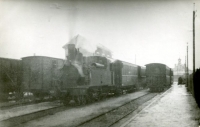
column 180, row 70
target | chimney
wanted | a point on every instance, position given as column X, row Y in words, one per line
column 72, row 52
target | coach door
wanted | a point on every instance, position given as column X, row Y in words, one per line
column 117, row 73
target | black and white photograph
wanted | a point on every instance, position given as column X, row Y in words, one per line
column 99, row 63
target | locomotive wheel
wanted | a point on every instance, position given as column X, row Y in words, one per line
column 96, row 96
column 89, row 99
column 81, row 100
column 119, row 92
column 77, row 100
column 66, row 101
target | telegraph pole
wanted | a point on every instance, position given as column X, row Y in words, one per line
column 185, row 71
column 194, row 40
column 135, row 58
column 187, row 65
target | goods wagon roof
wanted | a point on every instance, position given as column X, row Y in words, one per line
column 41, row 57
column 9, row 59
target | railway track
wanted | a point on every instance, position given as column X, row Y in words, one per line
column 17, row 104
column 114, row 115
column 18, row 120
column 31, row 116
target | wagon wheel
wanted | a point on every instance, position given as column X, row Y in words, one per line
column 78, row 100
column 83, row 100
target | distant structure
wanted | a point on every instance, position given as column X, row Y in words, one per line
column 180, row 70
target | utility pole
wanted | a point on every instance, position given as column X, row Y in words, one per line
column 185, row 71
column 194, row 40
column 187, row 65
column 135, row 58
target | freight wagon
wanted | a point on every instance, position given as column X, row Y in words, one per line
column 158, row 76
column 41, row 75
column 10, row 77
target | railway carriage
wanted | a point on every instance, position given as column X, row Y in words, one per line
column 158, row 76
column 127, row 76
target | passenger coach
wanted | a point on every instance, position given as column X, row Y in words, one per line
column 158, row 76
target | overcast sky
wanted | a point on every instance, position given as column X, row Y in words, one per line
column 151, row 30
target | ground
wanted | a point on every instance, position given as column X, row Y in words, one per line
column 76, row 115
column 177, row 108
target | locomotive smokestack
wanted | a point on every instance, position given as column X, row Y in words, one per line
column 72, row 52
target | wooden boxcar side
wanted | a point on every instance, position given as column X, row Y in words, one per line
column 10, row 76
column 40, row 74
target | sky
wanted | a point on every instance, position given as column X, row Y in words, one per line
column 136, row 31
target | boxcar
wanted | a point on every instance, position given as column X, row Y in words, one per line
column 10, row 77
column 41, row 74
column 158, row 76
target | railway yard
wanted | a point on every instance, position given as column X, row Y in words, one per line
column 99, row 64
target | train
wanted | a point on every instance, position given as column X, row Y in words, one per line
column 80, row 78
column 90, row 78
column 85, row 79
